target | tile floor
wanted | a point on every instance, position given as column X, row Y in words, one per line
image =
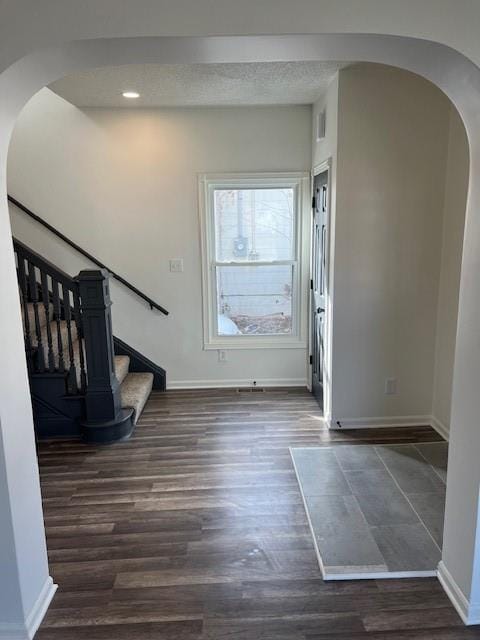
column 375, row 511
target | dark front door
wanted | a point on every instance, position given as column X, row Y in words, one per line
column 319, row 281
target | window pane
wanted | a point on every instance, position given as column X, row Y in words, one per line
column 255, row 300
column 254, row 224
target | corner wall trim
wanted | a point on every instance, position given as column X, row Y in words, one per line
column 233, row 384
column 26, row 631
column 380, row 422
column 440, row 428
column 469, row 613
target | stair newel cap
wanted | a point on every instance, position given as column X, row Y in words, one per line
column 94, row 288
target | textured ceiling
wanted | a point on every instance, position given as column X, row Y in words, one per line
column 199, row 84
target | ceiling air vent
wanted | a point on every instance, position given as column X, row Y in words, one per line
column 321, row 124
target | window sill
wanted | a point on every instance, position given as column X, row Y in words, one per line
column 250, row 342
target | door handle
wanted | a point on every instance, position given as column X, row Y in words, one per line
column 320, row 310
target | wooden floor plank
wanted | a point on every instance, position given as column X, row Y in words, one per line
column 195, row 529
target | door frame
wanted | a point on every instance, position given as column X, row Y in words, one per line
column 325, row 165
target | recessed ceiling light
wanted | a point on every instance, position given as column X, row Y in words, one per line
column 130, row 94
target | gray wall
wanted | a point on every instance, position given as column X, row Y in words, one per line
column 391, row 256
column 456, row 187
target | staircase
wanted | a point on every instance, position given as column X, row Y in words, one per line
column 84, row 382
column 135, row 387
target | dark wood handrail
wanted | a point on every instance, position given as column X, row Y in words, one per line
column 59, row 234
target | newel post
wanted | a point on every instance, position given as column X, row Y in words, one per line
column 105, row 420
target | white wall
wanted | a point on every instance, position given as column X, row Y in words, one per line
column 123, row 185
column 392, row 147
column 456, row 186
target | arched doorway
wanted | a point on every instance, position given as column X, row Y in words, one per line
column 450, row 71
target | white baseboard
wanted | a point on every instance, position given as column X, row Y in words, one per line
column 233, row 384
column 469, row 613
column 389, row 421
column 27, row 630
column 440, row 428
column 381, row 422
column 378, row 575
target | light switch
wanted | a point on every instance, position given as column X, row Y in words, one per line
column 176, row 266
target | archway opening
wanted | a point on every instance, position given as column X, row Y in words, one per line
column 342, row 48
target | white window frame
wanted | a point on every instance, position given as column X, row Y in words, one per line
column 300, row 183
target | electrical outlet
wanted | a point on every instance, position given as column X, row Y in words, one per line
column 176, row 266
column 390, row 386
column 222, row 356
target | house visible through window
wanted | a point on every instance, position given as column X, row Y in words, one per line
column 251, row 243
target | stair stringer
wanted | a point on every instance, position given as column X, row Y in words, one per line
column 141, row 364
column 56, row 414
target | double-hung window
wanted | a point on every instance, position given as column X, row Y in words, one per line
column 251, row 248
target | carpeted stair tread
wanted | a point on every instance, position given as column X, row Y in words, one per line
column 122, row 364
column 135, row 390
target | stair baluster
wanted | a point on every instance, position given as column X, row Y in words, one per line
column 80, row 336
column 46, row 307
column 23, row 284
column 57, row 315
column 72, row 371
column 33, row 288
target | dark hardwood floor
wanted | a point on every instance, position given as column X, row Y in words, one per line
column 195, row 529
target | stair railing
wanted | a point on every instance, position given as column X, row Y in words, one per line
column 68, row 332
column 52, row 319
column 152, row 304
